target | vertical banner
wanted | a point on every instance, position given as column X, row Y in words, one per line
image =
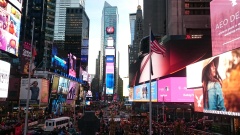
column 4, row 78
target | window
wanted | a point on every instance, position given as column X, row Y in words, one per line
column 46, row 123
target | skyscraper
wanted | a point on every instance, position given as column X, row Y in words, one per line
column 77, row 34
column 60, row 18
column 108, row 33
column 132, row 19
column 44, row 14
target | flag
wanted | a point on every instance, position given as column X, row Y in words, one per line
column 155, row 46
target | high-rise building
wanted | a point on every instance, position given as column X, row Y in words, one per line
column 60, row 19
column 108, row 41
column 44, row 14
column 132, row 19
column 76, row 35
column 138, row 35
column 177, row 17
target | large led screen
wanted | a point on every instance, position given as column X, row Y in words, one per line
column 109, row 83
column 110, row 51
column 63, row 86
column 59, row 59
column 17, row 3
column 141, row 93
column 55, row 84
column 174, row 61
column 72, row 65
column 73, row 90
column 10, row 19
column 109, row 58
column 109, row 67
column 225, row 25
column 38, row 91
column 219, row 78
column 174, row 89
column 4, row 78
column 130, row 96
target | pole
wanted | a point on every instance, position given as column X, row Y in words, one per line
column 29, row 77
column 163, row 109
column 150, row 91
column 157, row 113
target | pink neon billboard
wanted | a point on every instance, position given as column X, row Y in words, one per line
column 109, row 67
column 174, row 89
column 225, row 25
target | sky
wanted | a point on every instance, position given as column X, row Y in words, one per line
column 94, row 9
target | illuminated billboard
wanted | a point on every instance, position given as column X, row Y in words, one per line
column 59, row 59
column 141, row 93
column 38, row 91
column 109, row 51
column 72, row 65
column 130, row 96
column 174, row 89
column 175, row 59
column 73, row 90
column 218, row 76
column 109, row 67
column 85, row 43
column 225, row 28
column 109, row 58
column 10, row 20
column 4, row 78
column 17, row 3
column 110, row 30
column 63, row 86
column 109, row 83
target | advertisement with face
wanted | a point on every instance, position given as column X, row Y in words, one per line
column 219, row 78
column 225, row 25
column 72, row 90
column 4, row 78
column 141, row 93
column 55, row 84
column 72, row 65
column 63, row 86
column 36, row 88
column 10, row 20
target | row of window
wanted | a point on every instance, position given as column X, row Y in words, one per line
column 197, row 12
column 57, row 123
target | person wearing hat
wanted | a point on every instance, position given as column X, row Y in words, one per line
column 212, row 86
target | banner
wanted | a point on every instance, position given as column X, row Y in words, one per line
column 4, row 78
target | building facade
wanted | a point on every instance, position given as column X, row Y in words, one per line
column 109, row 20
column 60, row 19
column 132, row 19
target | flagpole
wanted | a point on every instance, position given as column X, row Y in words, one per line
column 29, row 78
column 150, row 91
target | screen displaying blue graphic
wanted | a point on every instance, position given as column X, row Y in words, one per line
column 59, row 59
column 57, row 105
column 110, row 59
column 109, row 83
column 141, row 93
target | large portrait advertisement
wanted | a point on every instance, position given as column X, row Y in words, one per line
column 55, row 84
column 141, row 93
column 10, row 19
column 4, row 78
column 225, row 25
column 72, row 65
column 38, row 91
column 63, row 86
column 72, row 90
column 218, row 76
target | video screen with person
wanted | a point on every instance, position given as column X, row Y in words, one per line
column 63, row 86
column 218, row 77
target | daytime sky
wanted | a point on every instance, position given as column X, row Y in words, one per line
column 93, row 9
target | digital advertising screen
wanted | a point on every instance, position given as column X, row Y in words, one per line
column 63, row 86
column 57, row 105
column 72, row 65
column 130, row 97
column 89, row 93
column 84, row 58
column 85, row 43
column 141, row 93
column 198, row 100
column 174, row 89
column 218, row 76
column 109, row 58
column 110, row 30
column 109, row 83
column 25, row 58
column 174, row 60
column 109, row 67
column 38, row 91
column 4, row 78
column 55, row 84
column 225, row 27
column 72, row 90
column 10, row 20
column 17, row 3
column 59, row 59
column 110, row 51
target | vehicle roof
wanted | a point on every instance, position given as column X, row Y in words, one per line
column 57, row 119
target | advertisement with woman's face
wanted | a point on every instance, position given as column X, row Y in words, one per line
column 219, row 78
